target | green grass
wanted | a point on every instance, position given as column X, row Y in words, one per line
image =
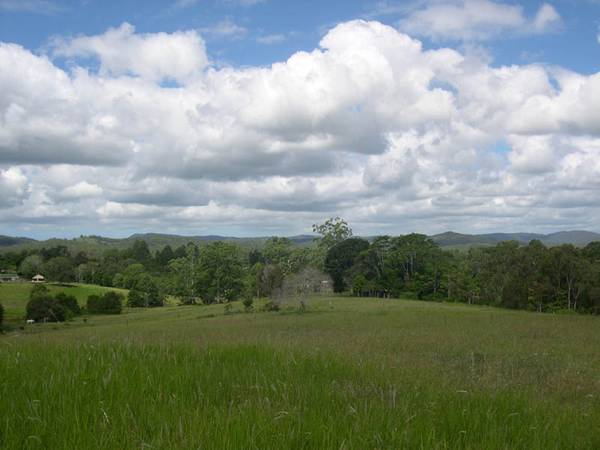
column 349, row 373
column 14, row 296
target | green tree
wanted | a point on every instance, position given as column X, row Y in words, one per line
column 69, row 302
column 219, row 273
column 340, row 258
column 46, row 309
column 59, row 268
column 332, row 231
column 30, row 266
column 109, row 303
column 38, row 290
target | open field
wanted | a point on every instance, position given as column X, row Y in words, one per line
column 349, row 373
column 14, row 296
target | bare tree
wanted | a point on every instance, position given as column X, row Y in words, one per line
column 299, row 287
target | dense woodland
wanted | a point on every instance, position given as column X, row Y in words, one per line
column 532, row 277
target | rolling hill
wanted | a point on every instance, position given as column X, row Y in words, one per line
column 97, row 244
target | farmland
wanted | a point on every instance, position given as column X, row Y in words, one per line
column 14, row 296
column 347, row 373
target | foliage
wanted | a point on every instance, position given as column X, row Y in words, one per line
column 69, row 302
column 30, row 266
column 59, row 268
column 218, row 273
column 340, row 258
column 109, row 303
column 46, row 309
column 1, row 315
column 38, row 290
column 332, row 231
column 248, row 303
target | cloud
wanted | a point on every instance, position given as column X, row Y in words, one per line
column 369, row 125
column 271, row 39
column 474, row 20
column 82, row 189
column 159, row 56
column 181, row 4
column 13, row 187
column 225, row 29
column 30, row 6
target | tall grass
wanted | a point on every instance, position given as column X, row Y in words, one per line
column 349, row 373
column 127, row 396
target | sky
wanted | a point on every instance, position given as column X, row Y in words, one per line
column 262, row 117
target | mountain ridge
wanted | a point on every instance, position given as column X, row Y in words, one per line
column 448, row 239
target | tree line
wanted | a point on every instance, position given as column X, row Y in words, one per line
column 532, row 277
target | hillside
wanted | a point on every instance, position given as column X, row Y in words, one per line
column 348, row 373
column 97, row 244
column 578, row 238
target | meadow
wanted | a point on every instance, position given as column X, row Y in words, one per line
column 348, row 373
column 14, row 296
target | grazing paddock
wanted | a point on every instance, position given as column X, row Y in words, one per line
column 14, row 296
column 348, row 373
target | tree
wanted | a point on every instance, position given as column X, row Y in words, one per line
column 277, row 250
column 271, row 278
column 136, row 299
column 59, row 268
column 46, row 309
column 31, row 266
column 109, row 303
column 298, row 287
column 164, row 256
column 139, row 251
column 38, row 290
column 69, row 302
column 219, row 273
column 333, row 231
column 340, row 258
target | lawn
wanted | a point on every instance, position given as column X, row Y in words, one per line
column 14, row 296
column 348, row 373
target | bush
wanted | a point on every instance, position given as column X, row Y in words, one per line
column 248, row 304
column 110, row 303
column 39, row 291
column 272, row 305
column 69, row 302
column 46, row 309
column 188, row 300
column 139, row 299
column 136, row 299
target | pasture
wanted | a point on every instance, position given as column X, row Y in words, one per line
column 14, row 296
column 348, row 373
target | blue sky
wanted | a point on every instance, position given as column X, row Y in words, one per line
column 291, row 25
column 204, row 116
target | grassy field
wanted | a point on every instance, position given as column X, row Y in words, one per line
column 14, row 296
column 348, row 373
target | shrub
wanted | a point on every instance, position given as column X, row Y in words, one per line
column 136, row 299
column 188, row 300
column 39, row 291
column 140, row 299
column 272, row 305
column 46, row 309
column 69, row 302
column 248, row 304
column 109, row 303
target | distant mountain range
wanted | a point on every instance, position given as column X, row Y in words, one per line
column 576, row 237
column 97, row 244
